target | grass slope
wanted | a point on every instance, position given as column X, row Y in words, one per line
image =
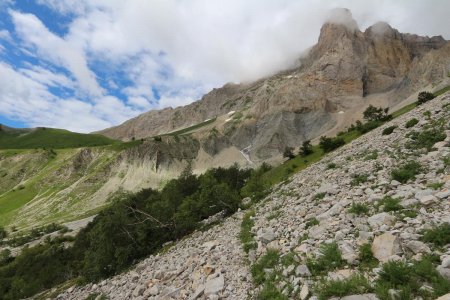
column 191, row 128
column 50, row 138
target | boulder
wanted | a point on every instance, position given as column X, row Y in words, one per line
column 417, row 247
column 360, row 297
column 381, row 219
column 386, row 245
column 215, row 285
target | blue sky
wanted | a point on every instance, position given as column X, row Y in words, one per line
column 85, row 65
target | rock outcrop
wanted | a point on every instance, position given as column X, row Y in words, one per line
column 339, row 77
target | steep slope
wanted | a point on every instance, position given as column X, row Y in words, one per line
column 316, row 207
column 345, row 72
column 56, row 185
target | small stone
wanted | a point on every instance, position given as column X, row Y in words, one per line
column 268, row 236
column 302, row 271
column 428, row 200
column 304, row 293
column 381, row 219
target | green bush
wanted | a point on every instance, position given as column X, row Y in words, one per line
column 288, row 152
column 389, row 130
column 390, row 204
column 366, row 257
column 331, row 166
column 267, row 261
column 306, row 148
column 3, row 233
column 358, row 209
column 407, row 171
column 246, row 236
column 439, row 235
column 409, row 278
column 356, row 284
column 359, row 179
column 426, row 138
column 329, row 144
column 424, row 97
column 330, row 259
column 411, row 123
column 270, row 292
column 373, row 113
column 311, row 222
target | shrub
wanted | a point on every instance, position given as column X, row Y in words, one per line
column 306, row 148
column 426, row 139
column 311, row 222
column 366, row 256
column 372, row 155
column 329, row 144
column 424, row 97
column 359, row 178
column 390, row 204
column 407, row 171
column 288, row 152
column 268, row 261
column 246, row 235
column 435, row 185
column 368, row 126
column 358, row 209
column 411, row 123
column 270, row 292
column 439, row 235
column 331, row 166
column 373, row 113
column 319, row 196
column 330, row 259
column 388, row 130
column 356, row 284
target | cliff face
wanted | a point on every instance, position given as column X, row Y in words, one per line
column 342, row 74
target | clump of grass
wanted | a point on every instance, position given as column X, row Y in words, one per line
column 358, row 209
column 330, row 259
column 366, row 257
column 389, row 130
column 319, row 196
column 426, row 138
column 270, row 292
column 245, row 235
column 439, row 235
column 390, row 204
column 311, row 222
column 408, row 279
column 331, row 166
column 356, row 284
column 359, row 179
column 407, row 171
column 268, row 261
column 435, row 185
column 411, row 123
column 372, row 155
column 274, row 215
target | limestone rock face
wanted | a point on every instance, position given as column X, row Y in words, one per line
column 328, row 90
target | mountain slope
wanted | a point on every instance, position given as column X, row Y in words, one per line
column 340, row 76
column 317, row 207
column 12, row 138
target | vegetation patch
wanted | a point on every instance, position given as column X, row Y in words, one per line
column 359, row 209
column 390, row 204
column 356, row 284
column 411, row 123
column 438, row 236
column 388, row 130
column 407, row 171
column 330, row 259
column 246, row 236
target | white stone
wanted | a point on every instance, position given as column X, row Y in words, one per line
column 386, row 245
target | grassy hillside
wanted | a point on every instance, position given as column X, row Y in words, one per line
column 50, row 138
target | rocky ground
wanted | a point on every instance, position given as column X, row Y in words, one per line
column 349, row 199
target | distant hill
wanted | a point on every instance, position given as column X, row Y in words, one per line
column 15, row 138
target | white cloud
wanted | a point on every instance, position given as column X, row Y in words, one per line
column 183, row 48
column 25, row 96
column 56, row 50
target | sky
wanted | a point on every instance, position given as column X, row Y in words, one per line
column 85, row 65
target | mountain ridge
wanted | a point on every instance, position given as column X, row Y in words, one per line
column 343, row 73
